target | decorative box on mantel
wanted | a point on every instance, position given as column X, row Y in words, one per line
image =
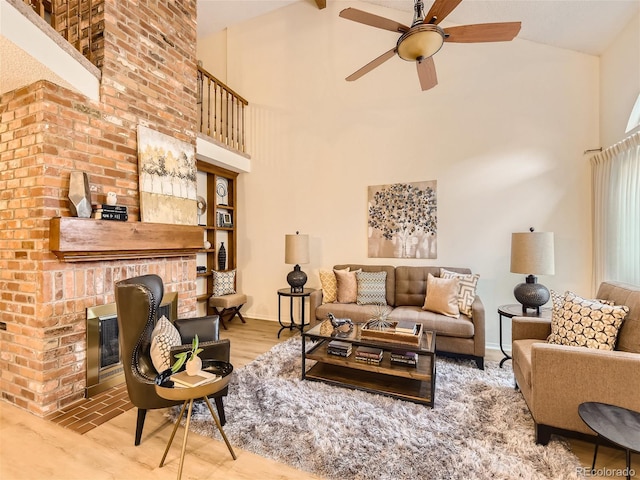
column 74, row 239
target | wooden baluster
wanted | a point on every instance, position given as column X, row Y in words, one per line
column 209, row 107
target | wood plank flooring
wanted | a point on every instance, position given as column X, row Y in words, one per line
column 35, row 448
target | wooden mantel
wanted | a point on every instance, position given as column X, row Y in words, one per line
column 74, row 239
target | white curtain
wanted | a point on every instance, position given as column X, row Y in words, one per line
column 616, row 213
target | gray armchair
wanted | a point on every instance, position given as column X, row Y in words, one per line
column 137, row 302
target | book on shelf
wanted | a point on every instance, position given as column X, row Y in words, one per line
column 404, row 355
column 183, row 379
column 369, row 352
column 404, row 326
column 337, row 347
column 99, row 214
column 112, row 208
column 369, row 360
column 339, row 353
column 404, row 362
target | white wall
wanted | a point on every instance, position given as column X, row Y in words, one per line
column 503, row 134
column 619, row 83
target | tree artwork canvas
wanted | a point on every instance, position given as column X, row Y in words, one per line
column 403, row 220
column 167, row 172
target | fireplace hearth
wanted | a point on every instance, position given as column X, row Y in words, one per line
column 104, row 368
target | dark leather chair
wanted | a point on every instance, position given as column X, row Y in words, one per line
column 137, row 302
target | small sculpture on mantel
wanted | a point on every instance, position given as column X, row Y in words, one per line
column 79, row 194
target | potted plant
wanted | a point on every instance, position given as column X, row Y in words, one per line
column 191, row 360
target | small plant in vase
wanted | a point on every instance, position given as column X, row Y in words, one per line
column 191, row 360
column 380, row 318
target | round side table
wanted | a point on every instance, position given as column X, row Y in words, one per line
column 188, row 395
column 617, row 424
column 515, row 310
column 286, row 292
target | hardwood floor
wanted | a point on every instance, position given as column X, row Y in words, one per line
column 34, row 448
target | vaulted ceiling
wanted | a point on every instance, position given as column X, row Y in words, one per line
column 587, row 26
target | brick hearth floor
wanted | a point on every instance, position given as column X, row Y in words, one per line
column 91, row 412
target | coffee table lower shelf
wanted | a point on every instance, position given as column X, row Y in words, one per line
column 408, row 389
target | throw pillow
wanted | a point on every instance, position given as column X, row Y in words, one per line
column 371, row 288
column 164, row 336
column 329, row 285
column 224, row 283
column 581, row 322
column 467, row 291
column 347, row 286
column 442, row 296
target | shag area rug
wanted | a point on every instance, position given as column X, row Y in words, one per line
column 480, row 427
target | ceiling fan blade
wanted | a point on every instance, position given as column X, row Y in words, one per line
column 427, row 73
column 483, row 32
column 373, row 20
column 371, row 65
column 440, row 9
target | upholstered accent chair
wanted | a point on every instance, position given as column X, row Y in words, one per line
column 137, row 302
column 556, row 379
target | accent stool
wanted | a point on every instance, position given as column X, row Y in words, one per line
column 228, row 306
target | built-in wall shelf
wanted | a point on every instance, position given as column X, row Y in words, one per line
column 74, row 239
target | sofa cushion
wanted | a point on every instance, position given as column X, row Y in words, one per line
column 580, row 322
column 411, row 283
column 371, row 288
column 347, row 286
column 460, row 327
column 466, row 291
column 390, row 284
column 442, row 296
column 329, row 285
column 629, row 295
column 357, row 313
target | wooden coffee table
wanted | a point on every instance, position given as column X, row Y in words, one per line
column 416, row 384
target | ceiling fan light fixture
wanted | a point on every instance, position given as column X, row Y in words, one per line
column 420, row 42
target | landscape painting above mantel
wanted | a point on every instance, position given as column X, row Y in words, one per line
column 167, row 169
column 402, row 220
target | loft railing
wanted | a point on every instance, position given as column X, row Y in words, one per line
column 80, row 22
column 222, row 111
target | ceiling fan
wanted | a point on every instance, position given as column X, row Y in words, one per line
column 424, row 38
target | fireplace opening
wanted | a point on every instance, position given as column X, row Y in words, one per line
column 104, row 367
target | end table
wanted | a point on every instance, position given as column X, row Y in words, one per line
column 188, row 395
column 286, row 292
column 515, row 310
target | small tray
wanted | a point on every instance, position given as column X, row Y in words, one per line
column 392, row 337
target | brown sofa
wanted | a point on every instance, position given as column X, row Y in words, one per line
column 556, row 379
column 405, row 292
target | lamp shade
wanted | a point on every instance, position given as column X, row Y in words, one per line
column 532, row 253
column 296, row 249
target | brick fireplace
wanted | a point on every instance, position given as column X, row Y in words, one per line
column 46, row 131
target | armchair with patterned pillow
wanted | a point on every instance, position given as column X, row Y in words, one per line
column 148, row 344
column 588, row 352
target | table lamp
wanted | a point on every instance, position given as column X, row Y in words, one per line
column 296, row 251
column 532, row 254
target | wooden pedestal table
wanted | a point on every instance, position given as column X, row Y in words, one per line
column 189, row 394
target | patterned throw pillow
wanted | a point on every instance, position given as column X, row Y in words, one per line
column 467, row 292
column 329, row 285
column 224, row 283
column 164, row 336
column 371, row 288
column 347, row 286
column 442, row 296
column 580, row 322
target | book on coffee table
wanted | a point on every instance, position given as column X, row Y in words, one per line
column 183, row 379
